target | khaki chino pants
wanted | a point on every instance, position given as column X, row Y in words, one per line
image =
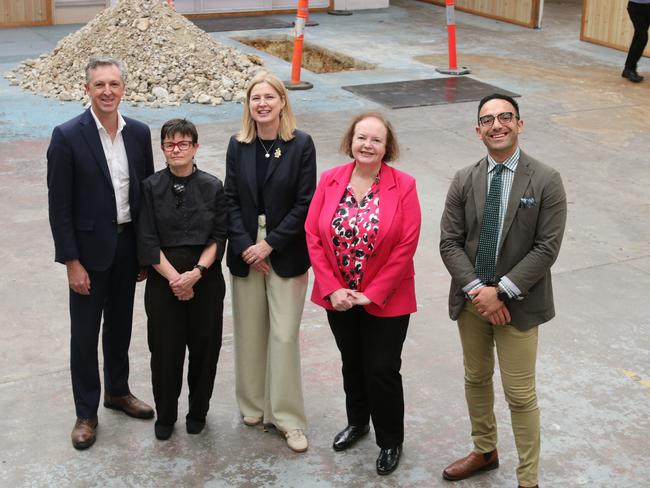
column 267, row 310
column 517, row 353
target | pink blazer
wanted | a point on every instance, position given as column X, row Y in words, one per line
column 388, row 279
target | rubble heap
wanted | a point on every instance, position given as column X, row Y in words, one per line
column 169, row 59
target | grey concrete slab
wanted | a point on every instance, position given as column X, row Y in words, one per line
column 420, row 93
column 594, row 364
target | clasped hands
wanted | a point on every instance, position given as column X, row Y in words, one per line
column 255, row 255
column 489, row 306
column 344, row 299
column 183, row 285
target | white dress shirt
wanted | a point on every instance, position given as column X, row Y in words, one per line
column 118, row 166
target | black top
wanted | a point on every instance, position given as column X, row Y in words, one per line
column 188, row 211
column 261, row 167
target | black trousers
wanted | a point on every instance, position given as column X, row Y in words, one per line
column 371, row 350
column 640, row 17
column 111, row 294
column 174, row 325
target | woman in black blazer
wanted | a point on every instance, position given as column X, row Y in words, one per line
column 270, row 179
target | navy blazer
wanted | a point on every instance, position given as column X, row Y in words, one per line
column 288, row 188
column 82, row 208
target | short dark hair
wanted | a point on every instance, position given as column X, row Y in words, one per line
column 179, row 126
column 498, row 96
column 392, row 148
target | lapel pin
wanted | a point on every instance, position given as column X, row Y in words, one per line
column 277, row 153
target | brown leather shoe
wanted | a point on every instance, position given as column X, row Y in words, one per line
column 84, row 433
column 470, row 465
column 130, row 405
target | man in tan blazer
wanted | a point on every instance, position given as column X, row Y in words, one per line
column 501, row 232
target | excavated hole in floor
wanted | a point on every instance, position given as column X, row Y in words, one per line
column 314, row 58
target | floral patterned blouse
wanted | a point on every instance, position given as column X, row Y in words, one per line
column 354, row 230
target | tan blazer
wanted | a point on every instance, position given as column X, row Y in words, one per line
column 530, row 240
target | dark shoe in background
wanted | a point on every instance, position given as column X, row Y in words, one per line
column 388, row 460
column 632, row 75
column 348, row 436
column 130, row 405
column 470, row 465
column 84, row 433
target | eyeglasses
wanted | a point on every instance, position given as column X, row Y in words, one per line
column 504, row 118
column 178, row 189
column 181, row 145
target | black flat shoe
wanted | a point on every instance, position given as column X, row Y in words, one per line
column 162, row 431
column 348, row 436
column 194, row 426
column 388, row 460
column 632, row 75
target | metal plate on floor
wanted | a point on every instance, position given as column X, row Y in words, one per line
column 421, row 93
column 253, row 22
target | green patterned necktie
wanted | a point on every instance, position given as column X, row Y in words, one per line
column 487, row 241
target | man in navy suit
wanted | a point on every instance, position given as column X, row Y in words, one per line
column 95, row 163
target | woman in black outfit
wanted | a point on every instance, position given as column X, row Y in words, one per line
column 181, row 237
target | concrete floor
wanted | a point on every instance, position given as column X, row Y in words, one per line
column 594, row 360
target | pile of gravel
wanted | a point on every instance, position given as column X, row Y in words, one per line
column 169, row 59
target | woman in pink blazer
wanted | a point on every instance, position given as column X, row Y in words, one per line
column 362, row 231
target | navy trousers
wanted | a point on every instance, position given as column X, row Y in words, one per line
column 111, row 296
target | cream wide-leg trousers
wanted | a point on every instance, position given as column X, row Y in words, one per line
column 267, row 310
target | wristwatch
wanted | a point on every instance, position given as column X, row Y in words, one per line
column 502, row 295
column 201, row 268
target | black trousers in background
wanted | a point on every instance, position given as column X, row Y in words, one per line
column 640, row 17
column 111, row 295
column 371, row 350
column 173, row 325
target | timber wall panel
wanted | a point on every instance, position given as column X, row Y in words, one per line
column 607, row 23
column 520, row 12
column 14, row 13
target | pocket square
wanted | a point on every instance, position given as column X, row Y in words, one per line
column 527, row 202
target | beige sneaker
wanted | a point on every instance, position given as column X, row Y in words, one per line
column 296, row 440
column 252, row 421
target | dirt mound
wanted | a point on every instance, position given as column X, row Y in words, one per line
column 169, row 59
